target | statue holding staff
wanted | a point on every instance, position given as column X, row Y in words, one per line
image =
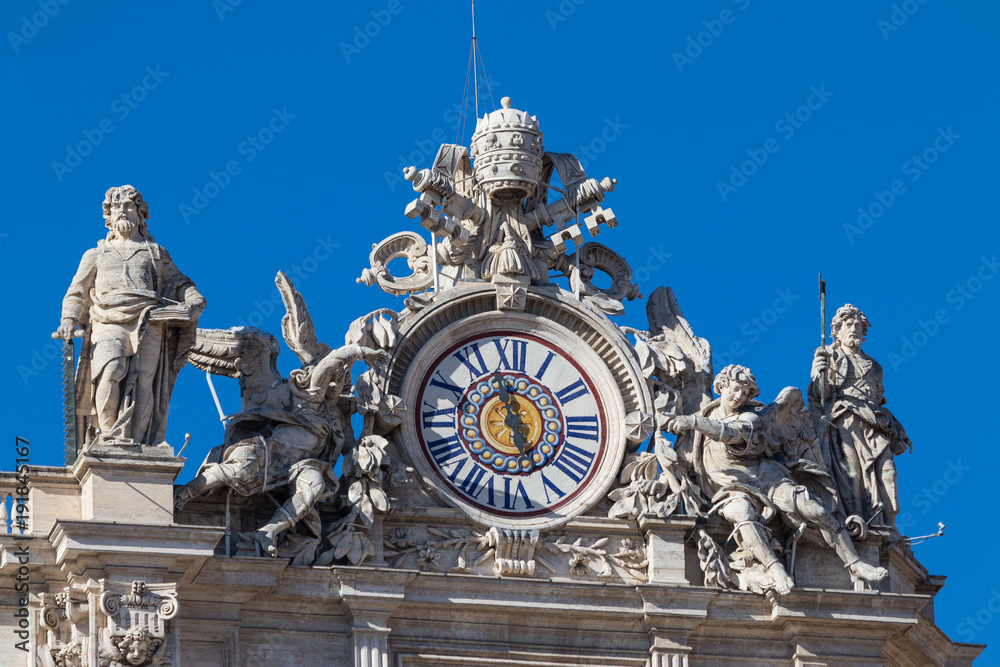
column 862, row 435
column 139, row 314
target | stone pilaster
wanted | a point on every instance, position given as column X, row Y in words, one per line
column 371, row 647
column 669, row 615
column 665, row 653
column 371, row 597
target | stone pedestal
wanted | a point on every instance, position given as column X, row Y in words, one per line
column 128, row 484
column 55, row 494
column 665, row 548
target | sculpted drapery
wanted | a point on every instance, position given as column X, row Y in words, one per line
column 139, row 315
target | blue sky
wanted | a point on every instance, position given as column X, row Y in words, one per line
column 754, row 147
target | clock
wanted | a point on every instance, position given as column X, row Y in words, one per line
column 516, row 418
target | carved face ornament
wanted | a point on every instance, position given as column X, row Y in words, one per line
column 137, row 650
column 137, row 645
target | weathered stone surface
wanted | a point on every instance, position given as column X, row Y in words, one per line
column 522, row 485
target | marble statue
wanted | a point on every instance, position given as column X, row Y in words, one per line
column 496, row 222
column 846, row 395
column 291, row 431
column 138, row 314
column 757, row 463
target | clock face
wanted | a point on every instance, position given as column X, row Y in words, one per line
column 511, row 424
column 516, row 418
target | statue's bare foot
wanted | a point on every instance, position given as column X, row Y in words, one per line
column 866, row 572
column 783, row 584
column 265, row 539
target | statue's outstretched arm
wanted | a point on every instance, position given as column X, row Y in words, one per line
column 323, row 373
column 738, row 435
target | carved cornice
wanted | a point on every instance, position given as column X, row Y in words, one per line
column 145, row 542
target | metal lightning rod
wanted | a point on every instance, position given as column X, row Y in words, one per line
column 822, row 339
column 475, row 72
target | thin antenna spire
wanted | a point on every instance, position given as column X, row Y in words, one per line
column 475, row 61
column 475, row 73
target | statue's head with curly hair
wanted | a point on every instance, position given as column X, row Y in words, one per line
column 738, row 375
column 849, row 326
column 69, row 655
column 124, row 211
column 138, row 645
column 735, row 385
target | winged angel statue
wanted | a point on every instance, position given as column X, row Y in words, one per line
column 758, row 467
column 292, row 431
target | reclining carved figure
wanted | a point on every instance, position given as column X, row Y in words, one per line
column 291, row 431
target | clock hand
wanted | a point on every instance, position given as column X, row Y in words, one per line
column 504, row 395
column 514, row 423
column 512, row 420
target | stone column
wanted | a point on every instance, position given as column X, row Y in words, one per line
column 371, row 596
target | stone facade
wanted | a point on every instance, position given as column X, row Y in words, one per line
column 652, row 608
column 531, row 483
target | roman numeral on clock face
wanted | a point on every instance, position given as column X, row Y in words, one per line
column 545, row 365
column 574, row 462
column 440, row 381
column 572, row 392
column 518, row 353
column 444, row 450
column 472, row 359
column 471, row 483
column 584, row 427
column 438, row 416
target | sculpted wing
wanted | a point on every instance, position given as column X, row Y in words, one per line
column 788, row 428
column 246, row 353
column 790, row 434
column 678, row 366
column 297, row 325
column 677, row 351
